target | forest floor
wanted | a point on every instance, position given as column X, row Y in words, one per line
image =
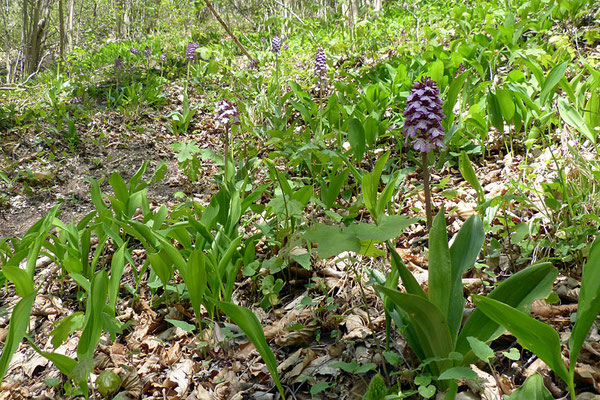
column 163, row 361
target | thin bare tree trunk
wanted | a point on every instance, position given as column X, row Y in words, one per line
column 71, row 8
column 61, row 26
column 235, row 39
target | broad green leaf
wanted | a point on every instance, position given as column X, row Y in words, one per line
column 452, row 96
column 64, row 363
column 20, row 278
column 532, row 334
column 161, row 266
column 108, row 383
column 532, row 389
column 440, row 268
column 17, row 326
column 551, row 82
column 592, row 112
column 494, row 112
column 371, row 130
column 117, row 266
column 249, row 324
column 66, row 327
column 574, row 119
column 187, row 327
column 408, row 279
column 332, row 240
column 389, row 227
column 119, row 187
column 93, row 316
column 356, row 138
column 331, row 192
column 507, row 105
column 519, row 291
column 481, row 350
column 319, row 387
column 589, row 302
column 467, row 171
column 463, row 254
column 194, row 276
column 436, row 71
column 456, row 373
column 427, row 320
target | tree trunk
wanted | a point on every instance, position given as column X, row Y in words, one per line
column 235, row 39
column 61, row 30
column 71, row 7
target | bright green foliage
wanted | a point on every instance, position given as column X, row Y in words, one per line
column 377, row 388
column 108, row 383
column 542, row 339
column 532, row 389
column 431, row 323
column 251, row 326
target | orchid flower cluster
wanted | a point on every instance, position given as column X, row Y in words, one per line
column 190, row 52
column 276, row 44
column 320, row 63
column 424, row 117
column 227, row 114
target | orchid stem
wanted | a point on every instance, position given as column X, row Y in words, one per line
column 425, row 165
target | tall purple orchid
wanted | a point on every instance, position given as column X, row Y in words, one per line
column 423, row 127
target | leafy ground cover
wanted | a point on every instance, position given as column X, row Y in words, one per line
column 158, row 242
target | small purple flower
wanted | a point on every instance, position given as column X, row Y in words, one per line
column 147, row 52
column 222, row 40
column 227, row 114
column 134, row 51
column 119, row 63
column 286, row 46
column 424, row 116
column 252, row 64
column 163, row 58
column 191, row 50
column 76, row 100
column 263, row 39
column 320, row 63
column 276, row 44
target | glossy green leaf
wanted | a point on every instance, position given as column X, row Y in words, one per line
column 408, row 279
column 66, row 327
column 249, row 324
column 552, row 81
column 456, row 373
column 455, row 88
column 332, row 240
column 194, row 276
column 440, row 268
column 20, row 278
column 574, row 119
column 494, row 112
column 93, row 316
column 389, row 227
column 589, row 302
column 17, row 326
column 119, row 187
column 532, row 334
column 463, row 254
column 592, row 111
column 519, row 291
column 532, row 389
column 356, row 138
column 117, row 266
column 371, row 130
column 427, row 320
column 480, row 349
column 108, row 383
column 507, row 105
